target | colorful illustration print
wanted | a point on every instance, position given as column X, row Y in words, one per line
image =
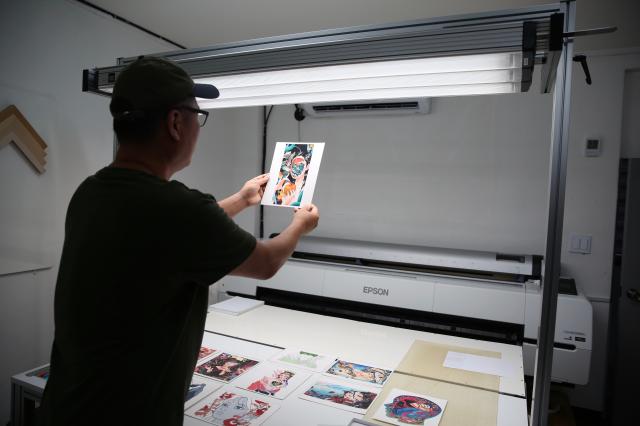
column 200, row 387
column 273, row 379
column 292, row 176
column 195, row 389
column 411, row 409
column 231, row 409
column 42, row 373
column 270, row 385
column 342, row 395
column 407, row 408
column 225, row 367
column 364, row 373
column 205, row 352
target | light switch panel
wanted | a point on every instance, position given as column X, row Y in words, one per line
column 592, row 147
column 580, row 244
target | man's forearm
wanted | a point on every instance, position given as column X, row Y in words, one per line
column 282, row 246
column 233, row 204
column 269, row 255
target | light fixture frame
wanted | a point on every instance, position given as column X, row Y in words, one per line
column 540, row 32
column 526, row 30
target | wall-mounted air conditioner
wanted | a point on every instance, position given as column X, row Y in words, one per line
column 368, row 108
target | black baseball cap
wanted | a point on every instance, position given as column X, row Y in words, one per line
column 151, row 83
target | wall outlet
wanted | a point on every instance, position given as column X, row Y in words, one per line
column 580, row 244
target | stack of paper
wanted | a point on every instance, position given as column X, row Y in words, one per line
column 235, row 305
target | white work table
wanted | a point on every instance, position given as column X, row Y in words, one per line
column 347, row 339
column 263, row 331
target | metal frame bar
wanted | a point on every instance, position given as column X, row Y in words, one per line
column 553, row 251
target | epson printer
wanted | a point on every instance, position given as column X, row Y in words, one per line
column 475, row 294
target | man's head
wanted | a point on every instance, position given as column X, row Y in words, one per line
column 151, row 82
column 154, row 100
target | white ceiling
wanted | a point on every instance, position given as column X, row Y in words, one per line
column 197, row 23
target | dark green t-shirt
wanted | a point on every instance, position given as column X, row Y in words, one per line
column 131, row 298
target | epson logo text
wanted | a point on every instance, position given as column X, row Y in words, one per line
column 375, row 290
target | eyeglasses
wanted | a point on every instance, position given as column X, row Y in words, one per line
column 202, row 114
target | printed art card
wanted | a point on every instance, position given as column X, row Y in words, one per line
column 293, row 174
column 230, row 406
column 408, row 408
column 205, row 351
column 304, row 359
column 41, row 373
column 273, row 379
column 354, row 397
column 199, row 388
column 225, row 367
column 363, row 373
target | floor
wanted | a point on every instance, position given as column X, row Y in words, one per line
column 584, row 417
column 561, row 413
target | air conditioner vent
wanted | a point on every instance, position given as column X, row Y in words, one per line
column 367, row 107
column 400, row 107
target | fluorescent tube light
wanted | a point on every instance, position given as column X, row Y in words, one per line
column 443, row 76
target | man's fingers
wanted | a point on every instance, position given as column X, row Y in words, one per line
column 311, row 208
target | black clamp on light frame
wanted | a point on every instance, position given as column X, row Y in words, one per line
column 529, row 43
column 557, row 37
column 554, row 51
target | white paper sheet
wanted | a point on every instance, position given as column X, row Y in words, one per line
column 236, row 305
column 479, row 364
column 293, row 174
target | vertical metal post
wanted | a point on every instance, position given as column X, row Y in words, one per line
column 557, row 182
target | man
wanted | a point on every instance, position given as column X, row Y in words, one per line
column 139, row 254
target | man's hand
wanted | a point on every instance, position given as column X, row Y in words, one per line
column 249, row 195
column 252, row 191
column 306, row 217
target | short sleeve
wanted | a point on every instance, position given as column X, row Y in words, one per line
column 212, row 243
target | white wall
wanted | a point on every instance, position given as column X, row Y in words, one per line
column 470, row 174
column 227, row 155
column 45, row 46
column 196, row 23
